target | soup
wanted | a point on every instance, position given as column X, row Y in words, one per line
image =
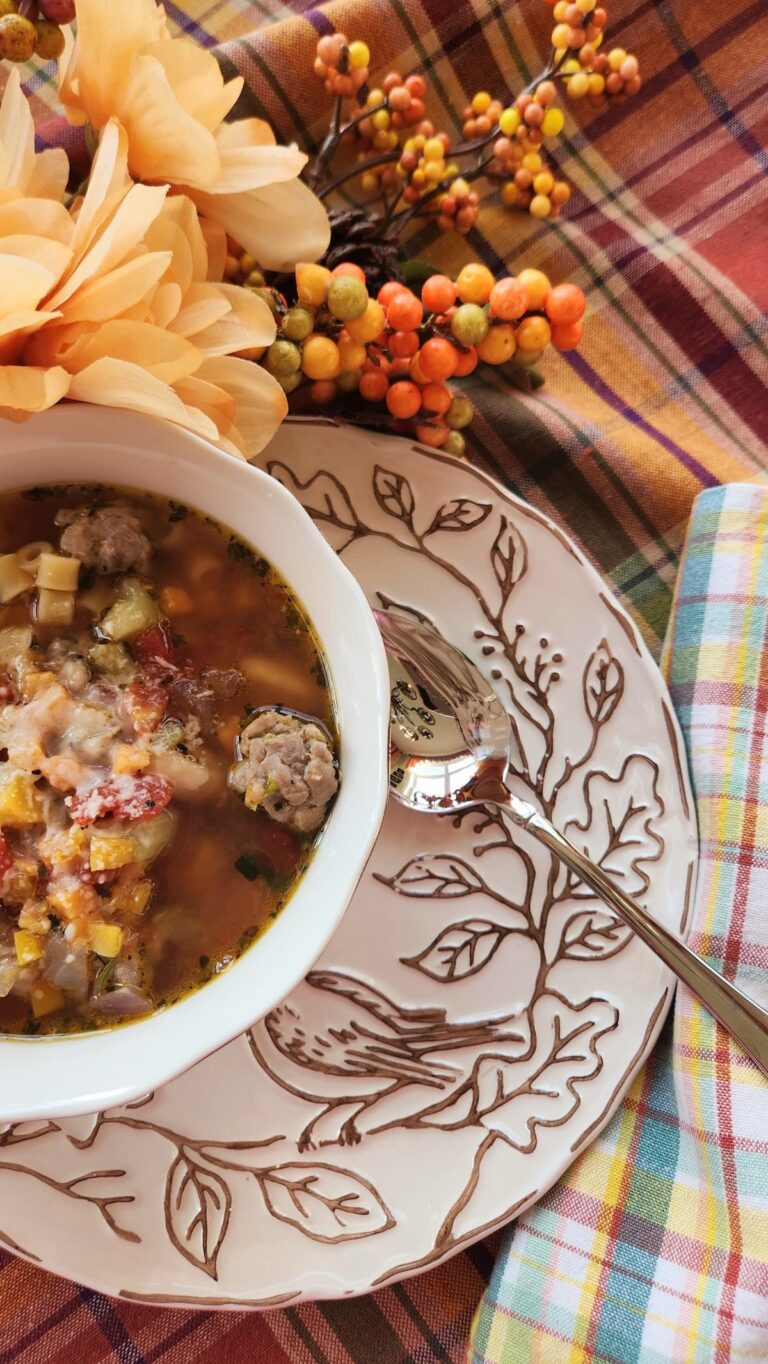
column 167, row 752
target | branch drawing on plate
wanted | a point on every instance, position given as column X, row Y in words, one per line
column 511, row 1075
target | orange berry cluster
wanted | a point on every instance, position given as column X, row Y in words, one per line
column 32, row 28
column 342, row 65
column 399, row 349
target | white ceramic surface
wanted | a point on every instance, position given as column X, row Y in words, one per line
column 476, row 1018
column 73, row 444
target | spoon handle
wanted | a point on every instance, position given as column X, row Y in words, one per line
column 739, row 1015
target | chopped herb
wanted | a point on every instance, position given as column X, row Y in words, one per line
column 38, row 494
column 243, row 555
column 247, row 867
column 204, row 961
column 292, row 618
column 178, row 640
column 34, row 643
column 103, row 974
column 178, row 511
column 246, row 938
column 87, row 579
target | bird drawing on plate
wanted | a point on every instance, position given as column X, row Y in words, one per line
column 336, row 1027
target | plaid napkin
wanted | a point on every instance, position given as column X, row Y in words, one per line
column 655, row 1245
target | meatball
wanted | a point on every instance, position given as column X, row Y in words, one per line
column 108, row 539
column 286, row 769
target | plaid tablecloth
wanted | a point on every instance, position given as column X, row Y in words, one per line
column 668, row 235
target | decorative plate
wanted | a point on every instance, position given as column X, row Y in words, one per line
column 478, row 1016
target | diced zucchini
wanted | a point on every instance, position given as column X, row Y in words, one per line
column 105, row 939
column 153, row 835
column 109, row 852
column 114, row 661
column 19, row 800
column 45, row 998
column 29, row 946
column 133, row 611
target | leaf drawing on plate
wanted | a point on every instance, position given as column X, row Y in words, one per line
column 603, row 684
column 198, row 1204
column 617, row 830
column 460, row 513
column 325, row 1202
column 11, row 1133
column 323, row 496
column 439, row 876
column 460, row 950
column 394, row 495
column 509, row 557
column 593, row 933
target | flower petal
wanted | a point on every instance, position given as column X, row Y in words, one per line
column 23, row 282
column 117, row 383
column 216, row 245
column 253, row 165
column 159, row 352
column 261, row 402
column 219, row 405
column 17, row 133
column 54, row 256
column 109, row 35
column 40, row 217
column 202, row 307
column 23, row 389
column 49, row 175
column 164, row 142
column 166, row 303
column 126, row 229
column 279, row 225
column 196, row 79
column 248, row 323
column 244, row 132
column 113, row 293
column 108, row 183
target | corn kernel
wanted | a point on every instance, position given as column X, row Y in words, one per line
column 45, row 998
column 134, row 899
column 105, row 939
column 107, row 852
column 28, row 947
column 176, row 601
column 129, row 758
column 19, row 800
column 73, row 902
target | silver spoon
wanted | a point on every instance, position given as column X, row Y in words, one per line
column 451, row 750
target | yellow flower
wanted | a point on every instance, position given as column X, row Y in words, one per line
column 120, row 302
column 171, row 98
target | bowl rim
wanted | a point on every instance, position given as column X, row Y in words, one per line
column 65, row 1075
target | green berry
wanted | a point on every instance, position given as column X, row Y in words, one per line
column 255, row 280
column 469, row 324
column 267, row 296
column 17, row 38
column 528, row 358
column 347, row 298
column 348, row 381
column 460, row 413
column 298, row 324
column 288, row 382
column 283, row 358
column 455, row 444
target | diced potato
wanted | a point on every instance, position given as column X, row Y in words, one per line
column 19, row 799
column 73, row 902
column 29, row 946
column 133, row 898
column 56, row 848
column 135, row 610
column 13, row 578
column 105, row 939
column 153, row 835
column 15, row 642
column 54, row 608
column 109, row 852
column 176, row 601
column 45, row 998
column 129, row 758
column 34, row 682
column 59, row 572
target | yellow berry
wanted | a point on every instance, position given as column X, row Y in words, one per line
column 570, row 67
column 370, row 325
column 312, row 282
column 351, row 353
column 578, row 85
column 540, row 206
column 585, row 6
column 561, row 35
column 434, row 149
column 533, row 333
column 359, row 55
column 616, row 57
column 497, row 345
column 320, row 357
column 559, row 11
column 380, row 119
column 536, row 285
column 451, row 171
column 374, row 97
column 596, row 84
column 474, row 283
column 532, row 162
column 543, row 182
column 231, row 267
column 553, row 122
column 369, row 182
column 247, row 262
column 434, row 171
column 509, row 122
column 481, row 102
column 509, row 194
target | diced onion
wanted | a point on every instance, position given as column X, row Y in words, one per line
column 125, row 1002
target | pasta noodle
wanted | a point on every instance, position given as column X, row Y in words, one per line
column 59, row 572
column 13, row 578
column 29, row 555
column 55, row 608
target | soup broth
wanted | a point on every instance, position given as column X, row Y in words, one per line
column 154, row 814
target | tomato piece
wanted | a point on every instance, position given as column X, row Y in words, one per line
column 154, row 646
column 146, row 703
column 126, row 797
